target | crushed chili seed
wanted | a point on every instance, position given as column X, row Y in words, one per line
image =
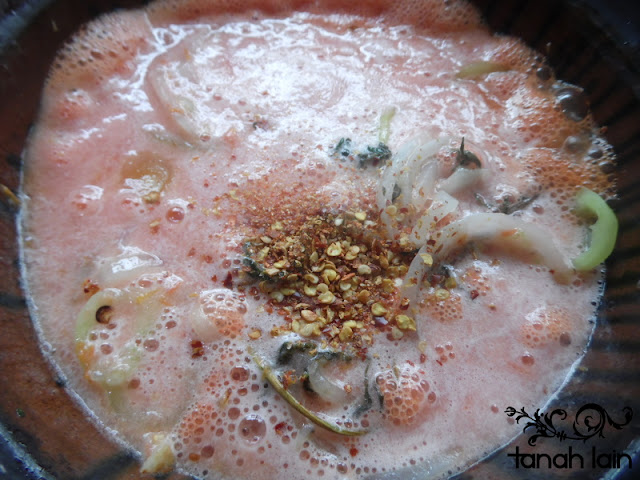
column 337, row 267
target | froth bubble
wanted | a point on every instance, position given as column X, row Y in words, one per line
column 252, row 428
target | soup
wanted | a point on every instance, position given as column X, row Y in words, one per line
column 334, row 242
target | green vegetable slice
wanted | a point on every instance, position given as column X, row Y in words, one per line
column 476, row 69
column 603, row 232
column 384, row 131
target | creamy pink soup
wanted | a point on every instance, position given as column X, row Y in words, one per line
column 280, row 238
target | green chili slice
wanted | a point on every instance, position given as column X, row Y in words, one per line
column 603, row 232
column 476, row 69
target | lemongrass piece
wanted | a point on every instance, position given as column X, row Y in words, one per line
column 603, row 232
column 275, row 382
column 476, row 69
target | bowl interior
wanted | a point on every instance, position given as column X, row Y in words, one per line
column 35, row 408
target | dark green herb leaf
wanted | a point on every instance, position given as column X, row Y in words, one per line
column 374, row 155
column 367, row 401
column 288, row 349
column 343, row 148
column 467, row 159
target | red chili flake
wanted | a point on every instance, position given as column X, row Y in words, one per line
column 228, row 281
column 423, row 358
column 192, row 252
column 431, row 242
column 197, row 349
column 439, row 362
column 474, row 294
column 90, row 287
column 214, row 278
column 289, row 378
column 353, row 451
column 362, row 353
column 404, row 303
column 280, row 428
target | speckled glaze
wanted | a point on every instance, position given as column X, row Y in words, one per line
column 35, row 406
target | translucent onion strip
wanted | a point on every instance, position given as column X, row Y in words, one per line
column 508, row 233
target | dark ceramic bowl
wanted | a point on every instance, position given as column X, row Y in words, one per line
column 592, row 43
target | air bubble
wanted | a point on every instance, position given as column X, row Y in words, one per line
column 252, row 429
column 175, row 214
column 151, row 345
column 527, row 359
column 240, row 374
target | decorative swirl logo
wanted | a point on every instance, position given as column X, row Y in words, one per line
column 590, row 420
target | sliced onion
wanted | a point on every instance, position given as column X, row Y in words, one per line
column 443, row 204
column 415, row 155
column 411, row 282
column 462, row 179
column 506, row 232
column 184, row 108
column 329, row 389
column 414, row 170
